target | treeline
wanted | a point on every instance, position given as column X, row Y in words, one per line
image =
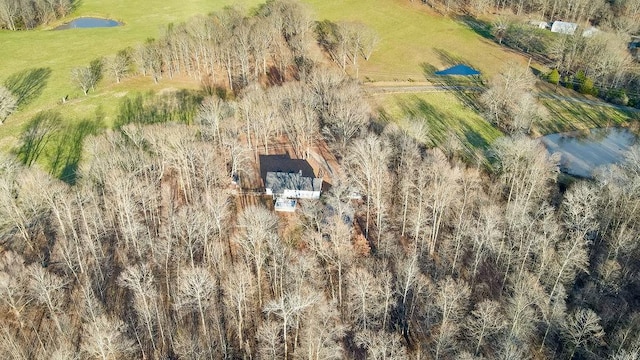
column 231, row 49
column 28, row 14
column 232, row 46
column 619, row 15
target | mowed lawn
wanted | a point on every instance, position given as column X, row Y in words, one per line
column 411, row 36
column 60, row 51
column 445, row 116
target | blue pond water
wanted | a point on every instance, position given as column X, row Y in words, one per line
column 581, row 152
column 88, row 22
column 460, row 70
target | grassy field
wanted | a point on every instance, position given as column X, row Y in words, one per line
column 410, row 37
column 565, row 115
column 60, row 51
column 444, row 114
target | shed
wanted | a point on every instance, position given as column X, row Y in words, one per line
column 563, row 27
column 539, row 24
column 591, row 31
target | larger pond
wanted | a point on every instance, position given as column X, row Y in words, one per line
column 88, row 22
column 581, row 152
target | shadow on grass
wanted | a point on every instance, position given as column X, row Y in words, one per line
column 465, row 88
column 480, row 27
column 36, row 135
column 67, row 153
column 474, row 137
column 45, row 138
column 27, row 85
column 570, row 115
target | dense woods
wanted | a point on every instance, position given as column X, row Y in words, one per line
column 412, row 253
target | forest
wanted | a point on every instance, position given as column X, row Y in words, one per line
column 414, row 252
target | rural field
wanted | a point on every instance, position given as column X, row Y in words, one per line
column 411, row 37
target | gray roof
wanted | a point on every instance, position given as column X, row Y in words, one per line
column 278, row 182
column 564, row 27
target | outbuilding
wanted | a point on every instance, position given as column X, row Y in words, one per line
column 563, row 27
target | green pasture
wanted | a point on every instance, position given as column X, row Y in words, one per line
column 411, row 38
column 446, row 117
column 60, row 51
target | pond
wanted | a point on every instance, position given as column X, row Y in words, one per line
column 88, row 22
column 581, row 152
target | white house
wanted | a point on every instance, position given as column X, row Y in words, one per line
column 562, row 27
column 285, row 187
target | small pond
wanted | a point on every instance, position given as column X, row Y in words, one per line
column 88, row 22
column 583, row 151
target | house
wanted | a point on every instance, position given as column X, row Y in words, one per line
column 288, row 179
column 562, row 27
column 292, row 185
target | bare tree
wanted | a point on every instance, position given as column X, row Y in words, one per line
column 119, row 65
column 239, row 300
column 83, row 78
column 105, row 339
column 211, row 113
column 451, row 300
column 48, row 290
column 515, row 82
column 196, row 290
column 8, row 104
column 256, row 225
column 287, row 308
column 141, row 282
column 368, row 162
column 583, row 328
column 382, row 345
column 487, row 320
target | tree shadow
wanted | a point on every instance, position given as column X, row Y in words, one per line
column 27, row 85
column 465, row 88
column 569, row 116
column 36, row 135
column 69, row 143
column 474, row 138
column 480, row 27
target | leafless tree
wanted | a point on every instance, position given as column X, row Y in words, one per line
column 119, row 65
column 105, row 339
column 382, row 345
column 487, row 319
column 583, row 328
column 286, row 309
column 83, row 78
column 451, row 300
column 239, row 300
column 368, row 161
column 8, row 104
column 47, row 289
column 256, row 225
column 517, row 83
column 141, row 282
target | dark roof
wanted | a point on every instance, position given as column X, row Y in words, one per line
column 278, row 182
column 460, row 69
column 284, row 163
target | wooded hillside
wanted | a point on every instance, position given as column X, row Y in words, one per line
column 412, row 253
